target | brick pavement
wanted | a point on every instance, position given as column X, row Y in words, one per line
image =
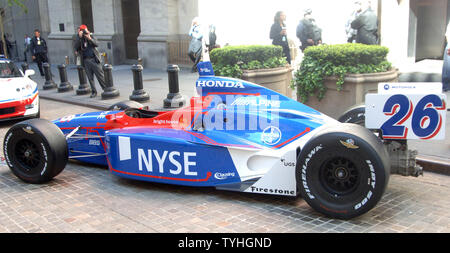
column 86, row 198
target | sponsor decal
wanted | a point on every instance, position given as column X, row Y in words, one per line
column 94, row 142
column 220, row 84
column 350, row 143
column 28, row 130
column 272, row 191
column 223, row 176
column 256, row 101
column 304, row 180
column 271, row 135
column 183, row 162
column 386, row 86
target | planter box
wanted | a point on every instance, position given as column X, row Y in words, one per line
column 353, row 92
column 277, row 79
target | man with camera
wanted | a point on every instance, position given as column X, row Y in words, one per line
column 85, row 47
column 38, row 48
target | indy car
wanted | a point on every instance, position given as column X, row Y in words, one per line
column 19, row 96
column 238, row 136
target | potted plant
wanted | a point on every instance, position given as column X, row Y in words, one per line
column 333, row 78
column 263, row 65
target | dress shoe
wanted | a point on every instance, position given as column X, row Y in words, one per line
column 94, row 94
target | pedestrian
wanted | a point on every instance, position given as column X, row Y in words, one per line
column 366, row 25
column 351, row 33
column 278, row 34
column 85, row 47
column 39, row 50
column 26, row 46
column 195, row 46
column 446, row 66
column 308, row 32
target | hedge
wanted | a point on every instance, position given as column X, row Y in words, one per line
column 232, row 60
column 339, row 60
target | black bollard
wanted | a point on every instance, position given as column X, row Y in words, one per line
column 24, row 67
column 174, row 98
column 65, row 85
column 49, row 83
column 84, row 88
column 110, row 90
column 139, row 94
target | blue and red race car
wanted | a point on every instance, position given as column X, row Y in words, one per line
column 235, row 135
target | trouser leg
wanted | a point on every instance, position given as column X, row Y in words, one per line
column 39, row 60
column 90, row 75
column 98, row 71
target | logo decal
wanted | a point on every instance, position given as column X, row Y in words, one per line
column 350, row 143
column 223, row 176
column 28, row 130
column 271, row 135
column 221, row 84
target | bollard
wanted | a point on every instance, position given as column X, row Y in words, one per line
column 65, row 85
column 49, row 83
column 84, row 88
column 24, row 67
column 139, row 94
column 110, row 90
column 174, row 98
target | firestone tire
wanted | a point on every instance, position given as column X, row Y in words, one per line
column 343, row 171
column 355, row 115
column 35, row 150
column 121, row 106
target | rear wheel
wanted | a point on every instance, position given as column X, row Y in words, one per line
column 343, row 171
column 35, row 150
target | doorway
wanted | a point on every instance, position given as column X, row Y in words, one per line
column 131, row 27
column 86, row 14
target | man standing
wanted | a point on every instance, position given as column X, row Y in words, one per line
column 85, row 47
column 308, row 32
column 366, row 25
column 39, row 50
column 26, row 46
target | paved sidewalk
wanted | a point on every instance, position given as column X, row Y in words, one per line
column 155, row 83
column 431, row 153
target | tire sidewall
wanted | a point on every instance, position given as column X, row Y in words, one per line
column 44, row 171
column 371, row 182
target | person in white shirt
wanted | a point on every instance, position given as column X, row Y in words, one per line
column 26, row 45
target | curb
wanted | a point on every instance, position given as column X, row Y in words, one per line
column 434, row 164
column 92, row 105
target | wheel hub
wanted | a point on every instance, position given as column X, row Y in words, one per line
column 339, row 176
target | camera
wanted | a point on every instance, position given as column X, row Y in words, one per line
column 85, row 32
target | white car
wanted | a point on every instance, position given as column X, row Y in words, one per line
column 19, row 95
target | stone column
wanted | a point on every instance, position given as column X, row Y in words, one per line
column 162, row 20
column 108, row 28
column 64, row 17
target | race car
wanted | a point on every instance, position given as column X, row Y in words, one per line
column 19, row 95
column 234, row 135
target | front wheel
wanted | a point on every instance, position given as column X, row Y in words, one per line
column 343, row 171
column 35, row 150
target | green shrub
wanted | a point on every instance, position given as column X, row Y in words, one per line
column 232, row 60
column 337, row 60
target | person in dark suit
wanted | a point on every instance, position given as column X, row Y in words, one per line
column 278, row 34
column 85, row 47
column 366, row 25
column 39, row 50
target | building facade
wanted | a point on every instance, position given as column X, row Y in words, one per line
column 156, row 30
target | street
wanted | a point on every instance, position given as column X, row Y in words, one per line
column 85, row 198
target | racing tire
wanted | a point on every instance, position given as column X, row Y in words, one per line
column 35, row 150
column 343, row 171
column 356, row 115
column 121, row 106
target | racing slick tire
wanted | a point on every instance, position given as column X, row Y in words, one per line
column 121, row 106
column 355, row 114
column 343, row 171
column 35, row 150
